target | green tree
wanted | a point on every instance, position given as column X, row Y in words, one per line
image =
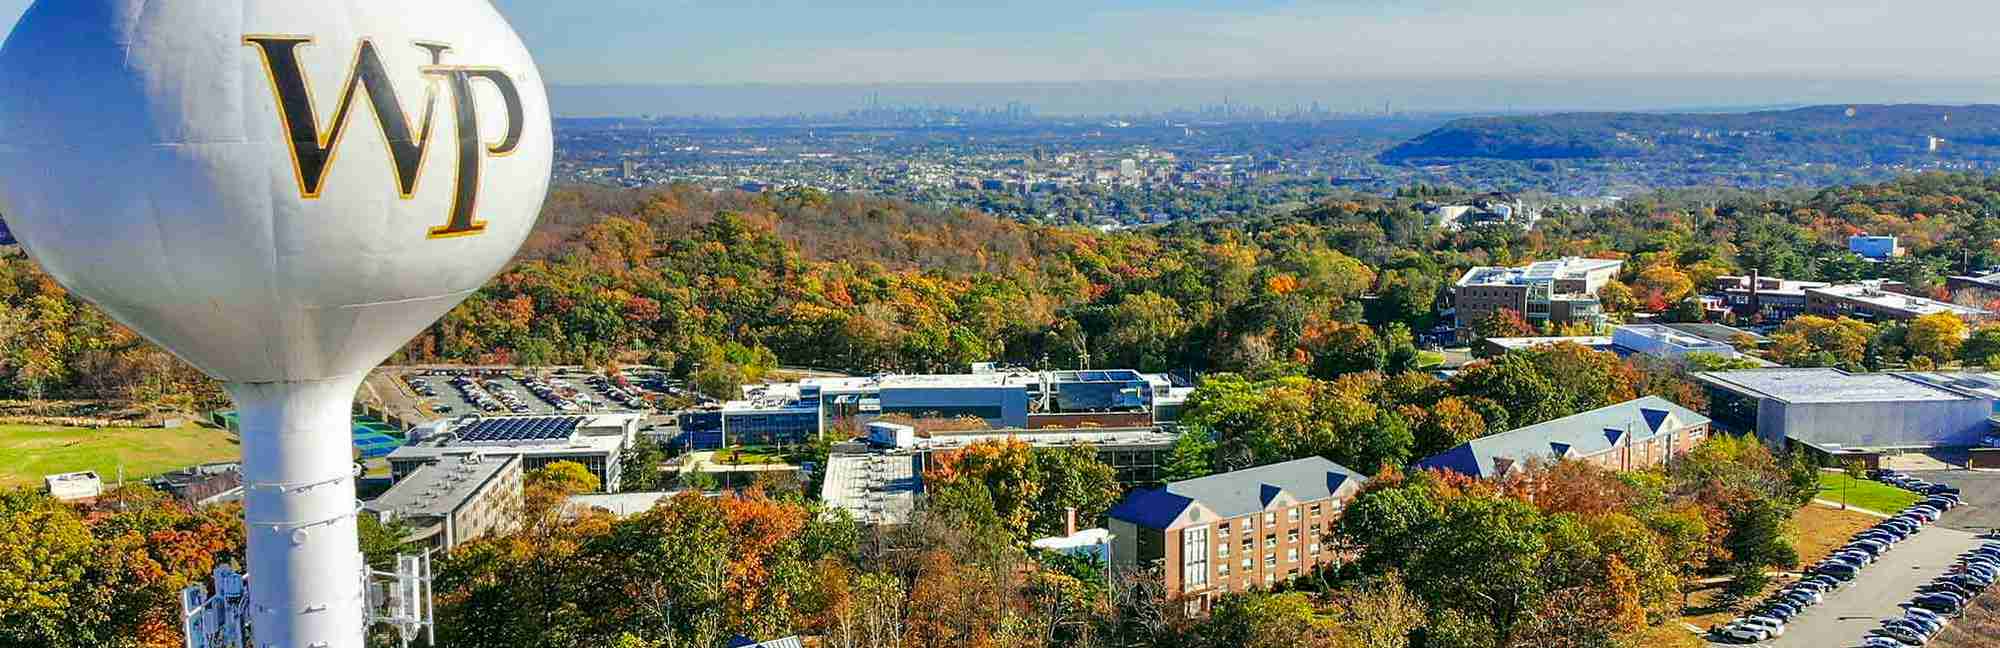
column 1192, row 455
column 1073, row 478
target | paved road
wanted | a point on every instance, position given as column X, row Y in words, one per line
column 1981, row 495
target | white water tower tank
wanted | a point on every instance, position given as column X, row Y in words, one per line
column 282, row 193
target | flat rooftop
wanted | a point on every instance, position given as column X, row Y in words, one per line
column 1100, row 437
column 1519, row 343
column 1564, row 268
column 875, row 488
column 1827, row 386
column 1886, row 299
column 435, row 490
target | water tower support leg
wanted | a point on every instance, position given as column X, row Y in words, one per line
column 299, row 508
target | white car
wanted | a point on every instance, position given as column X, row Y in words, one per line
column 1744, row 632
column 1767, row 624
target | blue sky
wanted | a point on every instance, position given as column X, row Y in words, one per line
column 912, row 41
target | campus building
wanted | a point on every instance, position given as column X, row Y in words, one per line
column 1768, row 299
column 1015, row 399
column 454, row 499
column 1873, row 247
column 1876, row 301
column 1978, row 290
column 1835, row 411
column 878, row 483
column 1235, row 531
column 597, row 441
column 1559, row 291
column 1631, row 435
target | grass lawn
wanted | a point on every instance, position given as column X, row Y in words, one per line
column 1428, row 359
column 1874, row 496
column 1669, row 635
column 1823, row 529
column 27, row 452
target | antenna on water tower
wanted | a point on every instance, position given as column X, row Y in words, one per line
column 182, row 166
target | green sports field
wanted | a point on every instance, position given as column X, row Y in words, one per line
column 27, row 452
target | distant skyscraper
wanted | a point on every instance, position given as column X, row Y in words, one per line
column 631, row 169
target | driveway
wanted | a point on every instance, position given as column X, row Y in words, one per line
column 1850, row 613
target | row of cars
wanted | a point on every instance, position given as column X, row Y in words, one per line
column 558, row 393
column 615, row 393
column 1911, row 483
column 1767, row 620
column 1937, row 602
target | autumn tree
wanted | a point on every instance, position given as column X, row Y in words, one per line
column 1937, row 336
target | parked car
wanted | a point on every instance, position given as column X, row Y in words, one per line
column 1743, row 633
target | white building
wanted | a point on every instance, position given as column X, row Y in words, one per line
column 1663, row 342
column 70, row 487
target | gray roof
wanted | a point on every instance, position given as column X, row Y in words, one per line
column 1580, row 435
column 875, row 488
column 1240, row 492
column 1827, row 386
column 437, row 489
column 1713, row 332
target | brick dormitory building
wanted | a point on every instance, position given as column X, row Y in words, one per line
column 1234, row 531
column 1631, row 435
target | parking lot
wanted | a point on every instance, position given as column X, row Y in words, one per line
column 1981, row 494
column 1853, row 611
column 1850, row 613
column 517, row 393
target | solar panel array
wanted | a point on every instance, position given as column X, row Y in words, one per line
column 506, row 430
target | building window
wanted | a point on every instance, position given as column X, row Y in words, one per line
column 1292, row 554
column 1315, row 509
column 1246, row 563
column 1314, row 547
column 1222, row 533
column 1292, row 536
column 1222, row 549
column 1292, row 514
column 1270, row 561
column 1194, row 557
column 1222, row 570
column 1270, row 518
column 1270, row 540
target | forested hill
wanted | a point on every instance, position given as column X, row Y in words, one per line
column 1862, row 134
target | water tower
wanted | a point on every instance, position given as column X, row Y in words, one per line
column 282, row 193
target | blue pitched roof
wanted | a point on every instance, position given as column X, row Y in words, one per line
column 1153, row 509
column 1587, row 433
column 1237, row 493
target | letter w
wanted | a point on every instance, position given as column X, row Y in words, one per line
column 313, row 150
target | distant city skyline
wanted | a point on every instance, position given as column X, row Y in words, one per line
column 792, row 56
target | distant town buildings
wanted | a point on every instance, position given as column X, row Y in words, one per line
column 1235, row 531
column 1481, row 211
column 1559, row 291
column 455, row 498
column 1631, row 435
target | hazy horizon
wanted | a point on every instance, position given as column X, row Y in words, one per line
column 783, row 57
